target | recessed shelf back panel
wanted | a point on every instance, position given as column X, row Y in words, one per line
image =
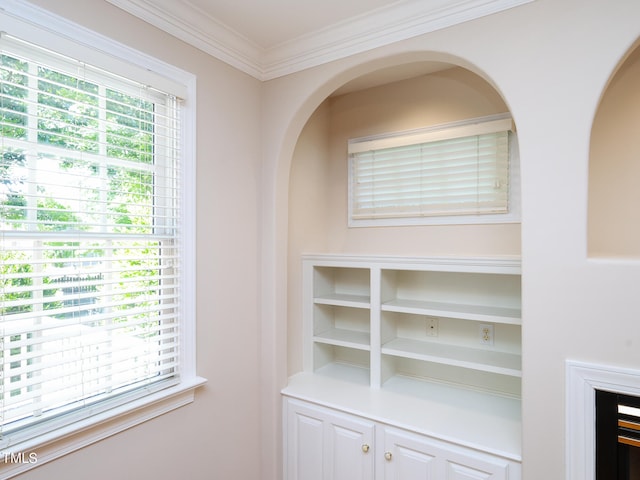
column 418, row 374
column 342, row 363
column 337, row 282
column 448, row 331
column 329, row 318
column 474, row 296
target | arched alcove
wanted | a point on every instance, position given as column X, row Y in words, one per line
column 614, row 166
column 403, row 97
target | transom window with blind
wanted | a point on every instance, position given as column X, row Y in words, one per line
column 94, row 272
column 463, row 172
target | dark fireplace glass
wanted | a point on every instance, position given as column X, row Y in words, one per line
column 617, row 436
column 634, row 463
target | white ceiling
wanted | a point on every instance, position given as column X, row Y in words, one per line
column 271, row 38
column 269, row 23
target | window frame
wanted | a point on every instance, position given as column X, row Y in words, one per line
column 38, row 26
column 434, row 133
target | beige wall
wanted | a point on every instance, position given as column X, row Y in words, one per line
column 614, row 167
column 217, row 436
column 550, row 61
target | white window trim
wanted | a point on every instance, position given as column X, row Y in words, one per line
column 439, row 132
column 39, row 26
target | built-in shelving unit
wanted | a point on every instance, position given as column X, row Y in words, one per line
column 422, row 318
column 431, row 344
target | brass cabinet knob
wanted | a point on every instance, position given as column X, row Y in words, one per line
column 365, row 448
column 388, row 456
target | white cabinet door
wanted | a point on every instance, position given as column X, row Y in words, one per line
column 349, row 447
column 407, row 457
column 326, row 445
column 304, row 444
column 465, row 466
column 462, row 472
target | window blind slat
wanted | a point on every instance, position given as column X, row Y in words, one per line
column 33, row 345
column 105, row 353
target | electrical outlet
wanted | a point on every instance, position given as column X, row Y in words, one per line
column 432, row 326
column 486, row 334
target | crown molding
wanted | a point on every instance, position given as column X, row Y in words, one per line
column 199, row 29
column 383, row 26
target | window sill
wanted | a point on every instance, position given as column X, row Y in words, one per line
column 45, row 448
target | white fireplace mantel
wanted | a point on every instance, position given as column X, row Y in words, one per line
column 583, row 379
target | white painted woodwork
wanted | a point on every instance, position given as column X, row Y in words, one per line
column 583, row 379
column 324, row 443
column 305, row 433
column 408, row 457
column 346, row 458
column 416, row 457
column 260, row 39
column 383, row 305
column 477, row 466
column 444, row 404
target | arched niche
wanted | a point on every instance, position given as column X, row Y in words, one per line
column 614, row 166
column 401, row 97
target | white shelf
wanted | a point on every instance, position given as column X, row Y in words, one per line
column 482, row 421
column 472, row 358
column 344, row 372
column 481, row 313
column 344, row 338
column 343, row 300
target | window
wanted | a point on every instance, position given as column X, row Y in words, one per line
column 454, row 173
column 95, row 269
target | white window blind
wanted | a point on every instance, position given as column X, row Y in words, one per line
column 460, row 169
column 89, row 238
